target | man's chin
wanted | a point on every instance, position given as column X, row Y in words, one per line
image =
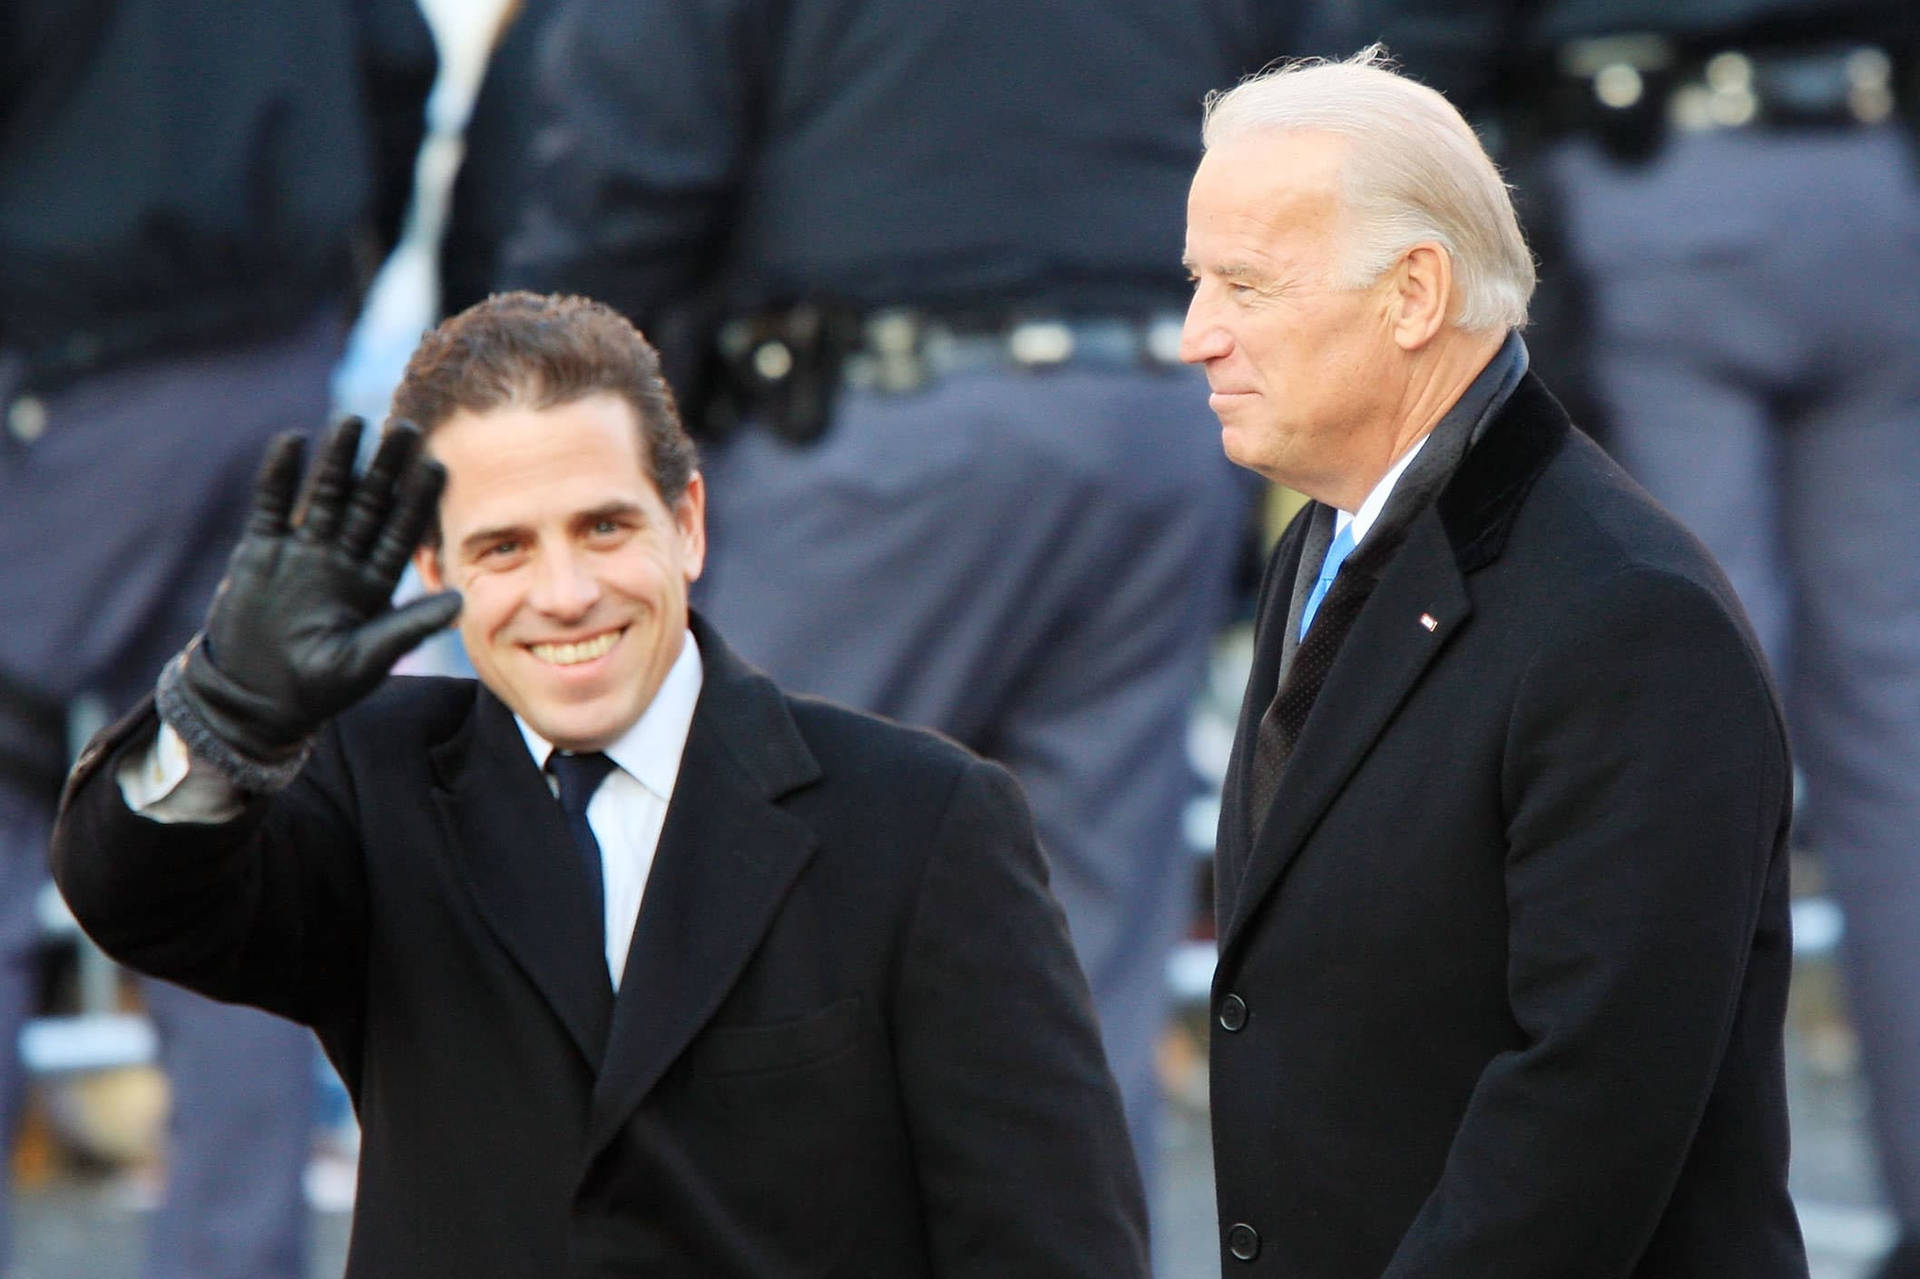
column 1237, row 443
column 586, row 726
column 578, row 740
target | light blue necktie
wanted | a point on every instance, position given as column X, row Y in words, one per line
column 1336, row 556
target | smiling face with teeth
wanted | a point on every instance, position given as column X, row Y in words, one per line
column 572, row 568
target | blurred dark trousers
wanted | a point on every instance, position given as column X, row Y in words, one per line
column 122, row 494
column 1033, row 562
column 1758, row 343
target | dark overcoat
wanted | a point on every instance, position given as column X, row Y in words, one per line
column 1504, row 964
column 851, row 1038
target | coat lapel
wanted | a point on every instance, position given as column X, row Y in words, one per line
column 509, row 844
column 1234, row 839
column 1389, row 648
column 727, row 856
column 1380, row 661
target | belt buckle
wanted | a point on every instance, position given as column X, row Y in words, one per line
column 891, row 359
column 1162, row 340
column 1725, row 96
column 1870, row 94
column 1040, row 344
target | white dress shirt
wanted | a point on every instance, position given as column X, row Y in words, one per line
column 1376, row 501
column 165, row 783
column 630, row 806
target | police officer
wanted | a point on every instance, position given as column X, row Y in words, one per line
column 968, row 486
column 495, row 173
column 1740, row 192
column 190, row 193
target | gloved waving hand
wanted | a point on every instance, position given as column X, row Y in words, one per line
column 303, row 624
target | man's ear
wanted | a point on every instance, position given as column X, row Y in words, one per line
column 426, row 562
column 690, row 517
column 1423, row 295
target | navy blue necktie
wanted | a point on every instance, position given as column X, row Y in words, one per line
column 579, row 777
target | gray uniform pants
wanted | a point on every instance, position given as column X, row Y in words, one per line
column 118, row 521
column 1033, row 563
column 1758, row 346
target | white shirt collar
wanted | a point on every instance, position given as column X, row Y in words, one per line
column 1363, row 519
column 651, row 747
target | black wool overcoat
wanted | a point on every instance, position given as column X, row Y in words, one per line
column 851, row 1038
column 1503, row 966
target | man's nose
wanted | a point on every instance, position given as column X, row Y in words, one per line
column 564, row 584
column 1201, row 337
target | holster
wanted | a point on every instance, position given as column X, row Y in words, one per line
column 782, row 369
column 1630, row 132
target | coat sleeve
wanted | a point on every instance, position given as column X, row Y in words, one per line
column 494, row 180
column 1024, row 1163
column 397, row 63
column 647, row 114
column 1647, row 789
column 268, row 909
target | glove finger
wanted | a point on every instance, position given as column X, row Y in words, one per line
column 273, row 491
column 373, row 496
column 415, row 508
column 329, row 482
column 391, row 636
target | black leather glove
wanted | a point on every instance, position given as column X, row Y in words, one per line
column 302, row 626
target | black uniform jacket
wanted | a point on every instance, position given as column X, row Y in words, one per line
column 851, row 1037
column 978, row 158
column 1503, row 967
column 183, row 174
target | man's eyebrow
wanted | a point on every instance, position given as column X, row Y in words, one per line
column 1231, row 271
column 480, row 538
column 617, row 508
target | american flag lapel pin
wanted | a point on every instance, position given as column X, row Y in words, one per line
column 1427, row 620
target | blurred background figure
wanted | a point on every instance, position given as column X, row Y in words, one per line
column 191, row 196
column 916, row 263
column 1737, row 184
column 496, row 170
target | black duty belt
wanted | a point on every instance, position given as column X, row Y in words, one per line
column 1631, row 91
column 783, row 369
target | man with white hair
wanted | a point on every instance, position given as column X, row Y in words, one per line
column 1502, row 873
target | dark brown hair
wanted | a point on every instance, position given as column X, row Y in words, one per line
column 540, row 351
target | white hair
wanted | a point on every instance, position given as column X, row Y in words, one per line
column 1415, row 172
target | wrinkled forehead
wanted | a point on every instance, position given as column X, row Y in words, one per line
column 575, row 454
column 1286, row 171
column 1265, row 193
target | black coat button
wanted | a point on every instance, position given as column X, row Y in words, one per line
column 1233, row 1013
column 1243, row 1241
